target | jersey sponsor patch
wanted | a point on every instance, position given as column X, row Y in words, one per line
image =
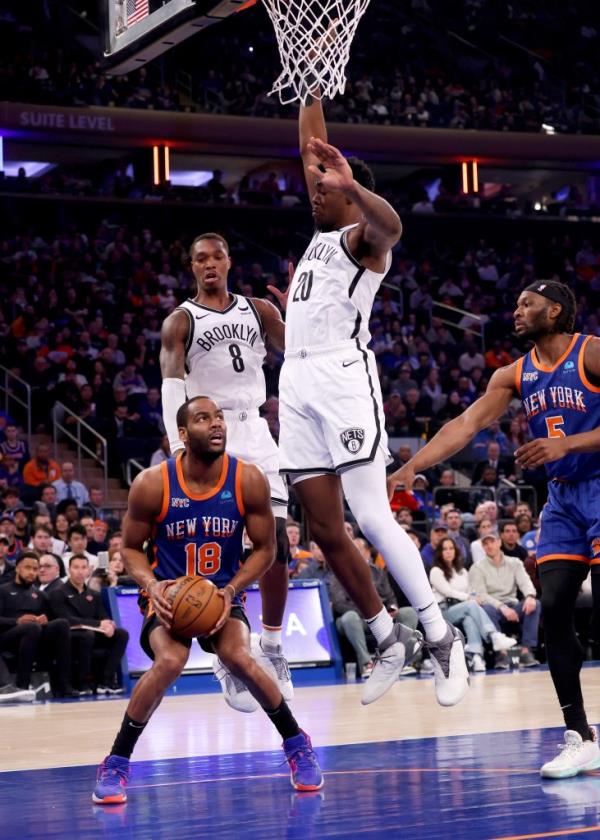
column 179, row 503
column 353, row 439
column 530, row 376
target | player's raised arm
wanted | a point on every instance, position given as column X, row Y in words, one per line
column 174, row 336
column 311, row 125
column 456, row 434
column 143, row 506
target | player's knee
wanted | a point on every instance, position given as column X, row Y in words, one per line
column 371, row 521
column 237, row 660
column 169, row 666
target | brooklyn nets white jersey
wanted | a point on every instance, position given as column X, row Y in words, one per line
column 225, row 353
column 330, row 407
column 331, row 295
column 224, row 357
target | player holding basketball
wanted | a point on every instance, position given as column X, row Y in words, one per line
column 215, row 345
column 559, row 384
column 332, row 436
column 193, row 508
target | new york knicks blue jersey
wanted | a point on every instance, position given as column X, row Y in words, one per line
column 200, row 535
column 560, row 401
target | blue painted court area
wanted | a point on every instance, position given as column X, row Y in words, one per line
column 475, row 786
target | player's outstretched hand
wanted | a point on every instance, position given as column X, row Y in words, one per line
column 162, row 607
column 404, row 477
column 541, row 451
column 282, row 297
column 225, row 594
column 337, row 175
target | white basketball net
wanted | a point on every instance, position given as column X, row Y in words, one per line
column 314, row 38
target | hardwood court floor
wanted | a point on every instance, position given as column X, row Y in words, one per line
column 403, row 766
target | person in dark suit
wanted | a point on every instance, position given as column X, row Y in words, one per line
column 91, row 629
column 504, row 466
column 52, row 570
column 29, row 631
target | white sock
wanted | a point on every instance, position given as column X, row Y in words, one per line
column 271, row 635
column 381, row 625
column 366, row 492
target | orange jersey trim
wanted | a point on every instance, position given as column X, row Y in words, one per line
column 164, row 473
column 200, row 497
column 518, row 374
column 540, row 366
column 581, row 368
column 578, row 558
column 238, row 487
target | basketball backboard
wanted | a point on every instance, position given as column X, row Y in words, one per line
column 137, row 31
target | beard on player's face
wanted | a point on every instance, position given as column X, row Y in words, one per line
column 204, row 449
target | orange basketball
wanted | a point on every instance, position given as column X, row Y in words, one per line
column 196, row 606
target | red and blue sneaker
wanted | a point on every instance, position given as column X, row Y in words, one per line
column 306, row 773
column 111, row 781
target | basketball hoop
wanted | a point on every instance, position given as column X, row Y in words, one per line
column 313, row 38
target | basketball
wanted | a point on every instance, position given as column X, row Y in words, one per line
column 196, row 606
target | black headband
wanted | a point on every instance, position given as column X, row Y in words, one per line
column 556, row 292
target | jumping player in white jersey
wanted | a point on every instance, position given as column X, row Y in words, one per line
column 214, row 344
column 332, row 437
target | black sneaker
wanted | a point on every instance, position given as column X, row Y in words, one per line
column 501, row 662
column 85, row 691
column 11, row 694
column 67, row 693
column 112, row 687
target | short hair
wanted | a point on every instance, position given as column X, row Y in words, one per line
column 79, row 555
column 58, row 560
column 76, row 529
column 361, row 173
column 28, row 554
column 183, row 412
column 43, row 528
column 508, row 522
column 209, row 235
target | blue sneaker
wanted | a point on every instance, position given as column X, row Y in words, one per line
column 112, row 778
column 306, row 773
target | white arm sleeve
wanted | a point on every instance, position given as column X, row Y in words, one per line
column 173, row 395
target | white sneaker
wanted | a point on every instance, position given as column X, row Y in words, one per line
column 449, row 667
column 399, row 649
column 478, row 664
column 501, row 642
column 575, row 756
column 271, row 658
column 234, row 691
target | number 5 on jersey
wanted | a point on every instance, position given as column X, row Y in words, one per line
column 202, row 559
column 554, row 425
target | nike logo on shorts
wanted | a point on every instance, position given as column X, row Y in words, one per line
column 347, row 364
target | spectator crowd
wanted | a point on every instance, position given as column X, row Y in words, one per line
column 517, row 68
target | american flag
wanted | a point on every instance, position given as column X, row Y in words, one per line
column 136, row 10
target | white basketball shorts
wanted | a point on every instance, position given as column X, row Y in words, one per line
column 330, row 410
column 249, row 438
